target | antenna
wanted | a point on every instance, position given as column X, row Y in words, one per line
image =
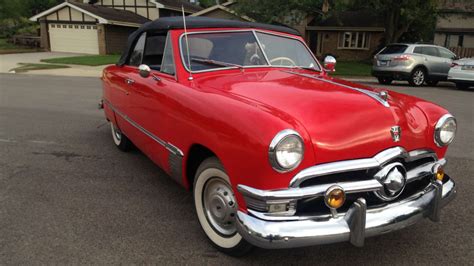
column 187, row 45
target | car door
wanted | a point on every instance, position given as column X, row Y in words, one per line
column 448, row 58
column 121, row 85
column 147, row 108
column 433, row 62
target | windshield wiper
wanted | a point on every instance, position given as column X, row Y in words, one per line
column 215, row 62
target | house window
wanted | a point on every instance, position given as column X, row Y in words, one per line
column 88, row 27
column 354, row 40
column 53, row 26
column 64, row 26
column 83, row 27
column 76, row 26
column 70, row 26
column 94, row 27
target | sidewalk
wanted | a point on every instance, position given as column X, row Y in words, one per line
column 10, row 61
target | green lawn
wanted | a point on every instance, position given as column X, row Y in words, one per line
column 24, row 67
column 87, row 60
column 8, row 48
column 352, row 68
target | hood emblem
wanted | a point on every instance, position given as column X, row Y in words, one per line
column 396, row 132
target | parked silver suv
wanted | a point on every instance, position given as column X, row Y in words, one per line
column 416, row 63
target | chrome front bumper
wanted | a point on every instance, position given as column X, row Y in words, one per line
column 355, row 225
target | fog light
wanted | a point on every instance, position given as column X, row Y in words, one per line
column 438, row 172
column 335, row 197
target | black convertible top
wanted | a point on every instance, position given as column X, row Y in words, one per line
column 169, row 23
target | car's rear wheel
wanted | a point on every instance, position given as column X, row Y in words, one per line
column 432, row 83
column 120, row 140
column 216, row 208
column 385, row 81
column 417, row 77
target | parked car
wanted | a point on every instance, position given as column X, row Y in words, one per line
column 462, row 73
column 277, row 153
column 415, row 63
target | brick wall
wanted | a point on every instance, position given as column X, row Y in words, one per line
column 330, row 46
column 44, row 35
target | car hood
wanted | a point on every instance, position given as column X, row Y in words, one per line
column 344, row 120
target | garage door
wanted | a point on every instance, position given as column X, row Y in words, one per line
column 74, row 38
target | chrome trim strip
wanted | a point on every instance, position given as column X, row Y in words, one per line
column 308, row 192
column 346, row 166
column 355, row 225
column 423, row 170
column 170, row 147
column 371, row 94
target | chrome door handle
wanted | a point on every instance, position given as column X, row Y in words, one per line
column 130, row 81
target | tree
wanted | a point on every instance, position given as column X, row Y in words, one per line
column 415, row 19
column 411, row 20
column 24, row 8
column 208, row 3
column 271, row 11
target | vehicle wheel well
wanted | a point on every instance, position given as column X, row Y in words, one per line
column 197, row 154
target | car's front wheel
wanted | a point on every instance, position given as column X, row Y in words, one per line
column 385, row 81
column 120, row 140
column 216, row 208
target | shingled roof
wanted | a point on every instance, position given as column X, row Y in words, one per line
column 177, row 4
column 112, row 13
column 351, row 19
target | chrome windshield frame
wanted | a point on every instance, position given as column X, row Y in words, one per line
column 254, row 32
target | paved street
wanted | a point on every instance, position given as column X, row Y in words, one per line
column 67, row 195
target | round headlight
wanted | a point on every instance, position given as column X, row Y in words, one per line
column 445, row 130
column 286, row 151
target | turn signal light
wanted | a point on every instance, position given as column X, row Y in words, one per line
column 438, row 172
column 335, row 197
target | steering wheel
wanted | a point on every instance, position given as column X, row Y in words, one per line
column 282, row 59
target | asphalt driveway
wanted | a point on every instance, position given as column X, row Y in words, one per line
column 67, row 195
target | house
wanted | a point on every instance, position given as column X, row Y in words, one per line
column 222, row 11
column 349, row 35
column 455, row 27
column 101, row 26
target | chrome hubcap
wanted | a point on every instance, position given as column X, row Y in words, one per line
column 220, row 206
column 419, row 77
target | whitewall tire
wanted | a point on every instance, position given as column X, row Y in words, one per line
column 120, row 140
column 216, row 208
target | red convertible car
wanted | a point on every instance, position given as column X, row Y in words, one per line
column 277, row 153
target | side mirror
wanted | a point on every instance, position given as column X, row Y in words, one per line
column 330, row 63
column 144, row 71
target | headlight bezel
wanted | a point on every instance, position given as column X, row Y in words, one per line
column 439, row 125
column 272, row 150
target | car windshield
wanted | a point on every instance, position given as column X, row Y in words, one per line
column 210, row 51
